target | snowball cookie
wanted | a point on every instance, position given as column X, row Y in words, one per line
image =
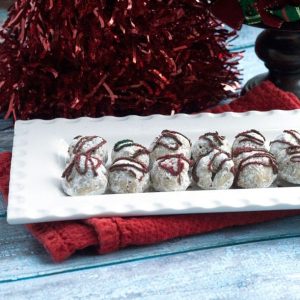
column 249, row 139
column 214, row 170
column 289, row 165
column 95, row 145
column 128, row 148
column 171, row 173
column 84, row 175
column 170, row 142
column 207, row 142
column 255, row 168
column 127, row 175
column 288, row 138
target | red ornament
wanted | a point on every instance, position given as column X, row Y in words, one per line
column 92, row 58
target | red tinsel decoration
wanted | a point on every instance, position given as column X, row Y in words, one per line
column 71, row 58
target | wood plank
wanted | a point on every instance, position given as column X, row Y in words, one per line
column 267, row 270
column 246, row 37
column 251, row 65
column 21, row 257
column 6, row 139
column 2, row 207
column 3, row 15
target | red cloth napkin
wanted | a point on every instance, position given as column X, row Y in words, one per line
column 62, row 239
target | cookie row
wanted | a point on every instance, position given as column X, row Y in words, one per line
column 172, row 163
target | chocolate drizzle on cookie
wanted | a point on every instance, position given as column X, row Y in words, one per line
column 248, row 137
column 130, row 166
column 140, row 152
column 86, row 139
column 211, row 162
column 172, row 135
column 180, row 160
column 294, row 153
column 217, row 140
column 294, row 133
column 243, row 150
column 89, row 162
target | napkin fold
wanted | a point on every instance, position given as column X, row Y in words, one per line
column 62, row 239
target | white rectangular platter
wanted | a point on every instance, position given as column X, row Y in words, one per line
column 38, row 159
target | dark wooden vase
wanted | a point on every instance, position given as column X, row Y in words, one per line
column 279, row 49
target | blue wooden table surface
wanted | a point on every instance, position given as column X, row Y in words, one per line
column 250, row 262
